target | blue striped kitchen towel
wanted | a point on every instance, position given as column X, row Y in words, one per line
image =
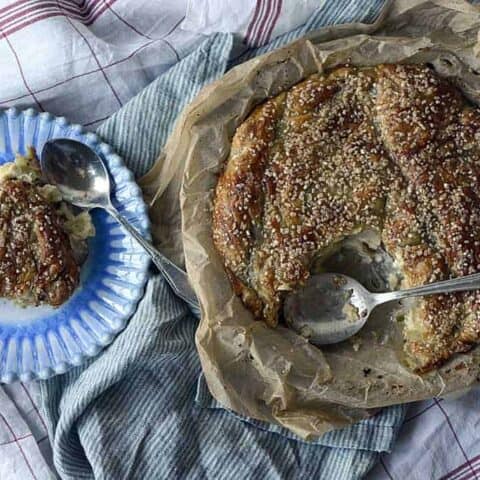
column 141, row 409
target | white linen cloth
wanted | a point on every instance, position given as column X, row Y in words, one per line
column 84, row 59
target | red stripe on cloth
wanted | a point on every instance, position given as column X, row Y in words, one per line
column 29, row 7
column 94, row 10
column 98, row 10
column 457, row 473
column 276, row 15
column 20, row 69
column 25, row 389
column 95, row 121
column 447, row 418
column 81, row 4
column 36, row 16
column 260, row 25
column 85, row 14
column 172, row 48
column 382, row 463
column 174, row 27
column 8, row 31
column 40, row 6
column 469, row 475
column 253, row 21
column 421, row 412
column 129, row 25
column 67, row 5
column 33, row 14
column 16, row 440
column 97, row 61
column 266, row 23
column 85, row 8
column 12, row 5
column 164, row 38
column 96, row 70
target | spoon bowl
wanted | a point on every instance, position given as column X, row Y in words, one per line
column 77, row 171
column 329, row 308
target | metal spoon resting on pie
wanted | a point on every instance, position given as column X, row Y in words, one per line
column 328, row 309
column 332, row 307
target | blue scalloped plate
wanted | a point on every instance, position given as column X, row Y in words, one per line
column 38, row 342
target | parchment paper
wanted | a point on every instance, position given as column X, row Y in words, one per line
column 273, row 374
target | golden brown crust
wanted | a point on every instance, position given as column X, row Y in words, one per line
column 391, row 148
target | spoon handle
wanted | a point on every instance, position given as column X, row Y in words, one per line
column 469, row 282
column 175, row 276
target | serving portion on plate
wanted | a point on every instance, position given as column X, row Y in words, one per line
column 71, row 279
column 387, row 156
column 42, row 242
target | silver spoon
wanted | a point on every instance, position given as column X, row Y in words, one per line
column 83, row 180
column 332, row 307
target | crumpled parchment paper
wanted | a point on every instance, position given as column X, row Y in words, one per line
column 273, row 374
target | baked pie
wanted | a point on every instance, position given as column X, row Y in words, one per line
column 391, row 150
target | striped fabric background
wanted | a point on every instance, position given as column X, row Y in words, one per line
column 18, row 15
